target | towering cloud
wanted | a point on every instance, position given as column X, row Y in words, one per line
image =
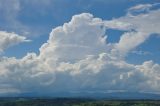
column 77, row 57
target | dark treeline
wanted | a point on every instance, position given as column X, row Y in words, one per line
column 74, row 102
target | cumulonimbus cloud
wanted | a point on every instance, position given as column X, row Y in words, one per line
column 77, row 57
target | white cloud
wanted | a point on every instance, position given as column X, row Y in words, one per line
column 75, row 40
column 10, row 39
column 141, row 7
column 138, row 28
column 26, row 75
column 77, row 58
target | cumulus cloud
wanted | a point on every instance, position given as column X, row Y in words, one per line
column 10, row 39
column 75, row 40
column 77, row 57
column 27, row 74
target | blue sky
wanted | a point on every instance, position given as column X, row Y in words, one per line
column 89, row 43
column 40, row 18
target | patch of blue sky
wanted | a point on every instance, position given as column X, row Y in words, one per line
column 149, row 50
column 22, row 49
column 113, row 35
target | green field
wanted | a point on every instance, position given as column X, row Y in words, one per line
column 74, row 102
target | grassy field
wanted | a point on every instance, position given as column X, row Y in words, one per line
column 75, row 102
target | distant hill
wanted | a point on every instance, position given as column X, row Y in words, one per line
column 93, row 95
column 17, row 101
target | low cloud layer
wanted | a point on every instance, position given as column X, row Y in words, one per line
column 77, row 57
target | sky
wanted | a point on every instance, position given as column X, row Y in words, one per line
column 50, row 46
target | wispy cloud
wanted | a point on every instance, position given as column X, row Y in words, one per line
column 10, row 39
